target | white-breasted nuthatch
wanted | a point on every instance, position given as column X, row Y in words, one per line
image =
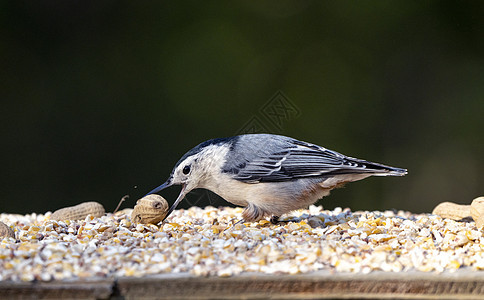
column 268, row 174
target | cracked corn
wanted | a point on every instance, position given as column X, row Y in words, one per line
column 205, row 242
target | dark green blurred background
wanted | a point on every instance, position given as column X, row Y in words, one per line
column 100, row 99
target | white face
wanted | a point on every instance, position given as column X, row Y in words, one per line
column 187, row 173
column 197, row 170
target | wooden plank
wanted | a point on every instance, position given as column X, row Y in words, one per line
column 98, row 288
column 321, row 285
column 463, row 284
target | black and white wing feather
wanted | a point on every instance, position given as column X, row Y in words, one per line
column 272, row 158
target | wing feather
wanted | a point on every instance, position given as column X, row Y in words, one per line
column 272, row 158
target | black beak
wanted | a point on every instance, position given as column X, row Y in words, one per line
column 178, row 199
column 161, row 187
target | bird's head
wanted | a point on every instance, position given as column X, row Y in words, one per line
column 195, row 168
column 188, row 172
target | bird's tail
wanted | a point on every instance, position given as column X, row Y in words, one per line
column 375, row 169
column 383, row 170
column 392, row 171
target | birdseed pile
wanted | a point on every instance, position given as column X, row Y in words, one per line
column 206, row 242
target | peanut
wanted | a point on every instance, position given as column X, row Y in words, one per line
column 79, row 212
column 150, row 209
column 452, row 211
column 6, row 231
column 477, row 211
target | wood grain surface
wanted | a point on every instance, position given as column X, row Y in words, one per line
column 463, row 284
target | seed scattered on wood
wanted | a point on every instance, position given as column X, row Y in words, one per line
column 205, row 242
column 477, row 211
column 150, row 209
column 6, row 231
column 79, row 212
column 453, row 211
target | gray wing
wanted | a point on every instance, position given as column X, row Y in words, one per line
column 271, row 158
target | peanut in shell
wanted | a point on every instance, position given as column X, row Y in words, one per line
column 79, row 212
column 453, row 211
column 477, row 211
column 151, row 209
column 6, row 231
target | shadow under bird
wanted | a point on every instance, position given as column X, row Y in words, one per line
column 269, row 175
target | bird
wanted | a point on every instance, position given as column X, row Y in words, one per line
column 270, row 175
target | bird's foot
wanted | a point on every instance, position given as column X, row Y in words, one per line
column 241, row 221
column 275, row 220
column 234, row 223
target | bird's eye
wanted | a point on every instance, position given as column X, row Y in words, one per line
column 186, row 170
